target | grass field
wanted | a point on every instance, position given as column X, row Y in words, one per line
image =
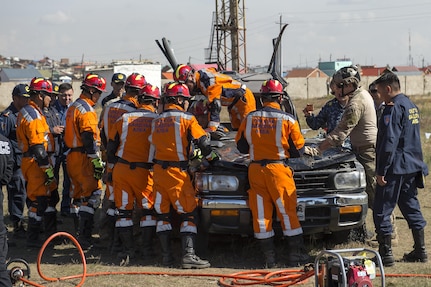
column 230, row 254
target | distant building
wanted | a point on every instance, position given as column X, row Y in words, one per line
column 18, row 75
column 406, row 71
column 306, row 73
column 330, row 68
column 151, row 72
column 372, row 71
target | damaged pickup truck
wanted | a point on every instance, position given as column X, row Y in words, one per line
column 331, row 197
column 330, row 190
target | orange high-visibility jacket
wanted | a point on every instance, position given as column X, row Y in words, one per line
column 112, row 113
column 81, row 117
column 131, row 132
column 32, row 129
column 216, row 85
column 271, row 134
column 172, row 132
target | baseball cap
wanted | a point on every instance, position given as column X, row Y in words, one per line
column 22, row 90
column 55, row 89
column 118, row 77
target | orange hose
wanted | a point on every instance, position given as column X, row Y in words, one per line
column 81, row 253
column 281, row 278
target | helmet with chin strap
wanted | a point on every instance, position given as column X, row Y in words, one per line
column 182, row 72
column 177, row 90
column 347, row 75
column 136, row 81
column 41, row 85
column 150, row 91
column 94, row 81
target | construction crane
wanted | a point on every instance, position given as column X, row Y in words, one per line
column 227, row 46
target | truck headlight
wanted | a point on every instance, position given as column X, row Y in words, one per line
column 207, row 182
column 348, row 180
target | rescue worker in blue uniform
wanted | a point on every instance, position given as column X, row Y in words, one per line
column 16, row 186
column 400, row 169
column 6, row 171
column 330, row 114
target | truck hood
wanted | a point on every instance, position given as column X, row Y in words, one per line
column 231, row 158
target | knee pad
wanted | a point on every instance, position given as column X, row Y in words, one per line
column 163, row 217
column 190, row 216
column 41, row 204
column 121, row 213
column 95, row 199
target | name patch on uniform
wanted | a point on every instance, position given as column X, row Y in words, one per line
column 414, row 116
column 4, row 148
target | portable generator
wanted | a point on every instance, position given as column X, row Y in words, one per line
column 347, row 268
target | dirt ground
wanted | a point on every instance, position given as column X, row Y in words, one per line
column 228, row 255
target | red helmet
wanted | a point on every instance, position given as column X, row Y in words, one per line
column 41, row 85
column 94, row 81
column 177, row 90
column 150, row 91
column 182, row 72
column 271, row 87
column 135, row 80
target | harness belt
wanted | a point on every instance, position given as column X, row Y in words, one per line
column 166, row 164
column 265, row 162
column 133, row 165
column 80, row 149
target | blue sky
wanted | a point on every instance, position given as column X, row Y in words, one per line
column 366, row 31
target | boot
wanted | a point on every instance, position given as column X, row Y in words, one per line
column 419, row 253
column 385, row 249
column 107, row 231
column 148, row 233
column 86, row 221
column 19, row 230
column 33, row 231
column 190, row 259
column 126, row 236
column 268, row 249
column 165, row 244
column 297, row 255
column 50, row 224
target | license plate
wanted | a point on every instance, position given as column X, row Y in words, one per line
column 300, row 211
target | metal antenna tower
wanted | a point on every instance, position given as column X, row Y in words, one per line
column 228, row 36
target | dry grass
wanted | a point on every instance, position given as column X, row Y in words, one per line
column 228, row 254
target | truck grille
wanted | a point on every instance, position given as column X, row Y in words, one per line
column 312, row 180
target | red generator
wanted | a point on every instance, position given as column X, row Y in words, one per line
column 347, row 268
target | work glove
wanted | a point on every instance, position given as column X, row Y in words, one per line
column 196, row 160
column 312, row 151
column 49, row 175
column 219, row 133
column 99, row 167
column 213, row 156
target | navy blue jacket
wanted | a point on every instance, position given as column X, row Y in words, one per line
column 398, row 146
column 8, row 125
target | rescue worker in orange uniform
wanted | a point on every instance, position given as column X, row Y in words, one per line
column 84, row 164
column 220, row 90
column 272, row 136
column 132, row 176
column 36, row 141
column 109, row 116
column 173, row 133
